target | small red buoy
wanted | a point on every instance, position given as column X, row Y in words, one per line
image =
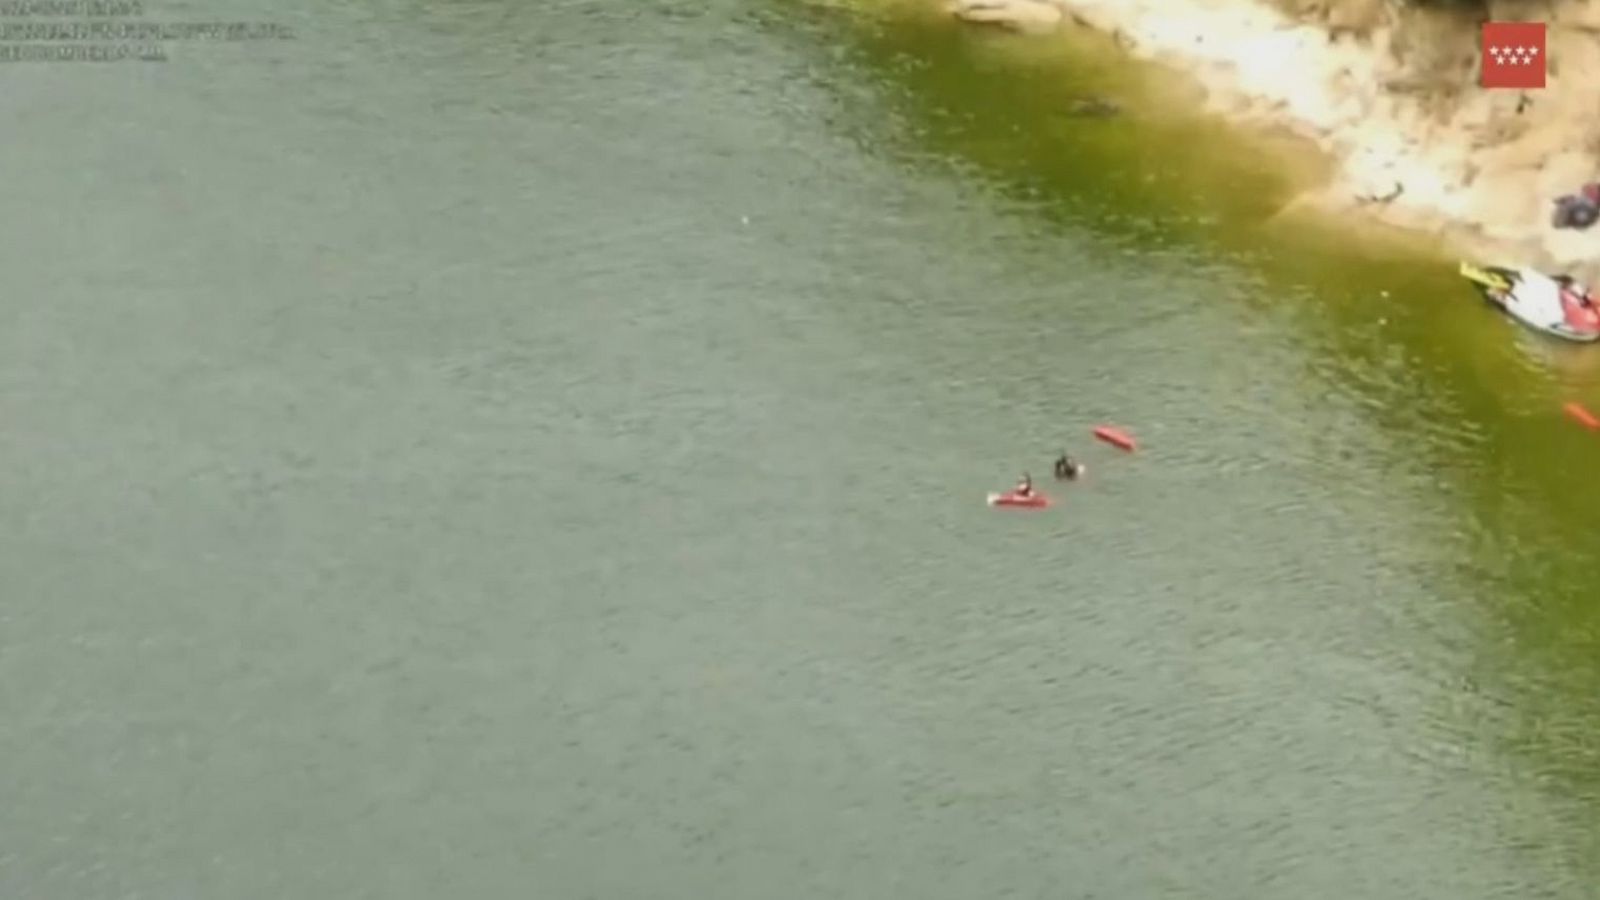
column 1583, row 416
column 1115, row 436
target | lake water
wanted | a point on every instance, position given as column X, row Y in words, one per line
column 538, row 450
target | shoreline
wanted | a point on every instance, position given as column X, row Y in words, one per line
column 1412, row 145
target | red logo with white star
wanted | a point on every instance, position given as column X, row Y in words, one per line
column 1513, row 55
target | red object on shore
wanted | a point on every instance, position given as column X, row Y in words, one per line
column 1115, row 436
column 1583, row 416
column 1034, row 500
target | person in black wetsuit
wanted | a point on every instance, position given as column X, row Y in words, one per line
column 1024, row 486
column 1067, row 467
column 1574, row 290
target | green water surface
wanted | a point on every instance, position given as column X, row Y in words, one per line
column 538, row 450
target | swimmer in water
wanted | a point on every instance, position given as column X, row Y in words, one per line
column 1025, row 486
column 1067, row 467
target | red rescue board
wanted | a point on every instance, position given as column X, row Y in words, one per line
column 1035, row 500
column 1115, row 437
column 1583, row 416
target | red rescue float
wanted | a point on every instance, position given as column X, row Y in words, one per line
column 1115, row 437
column 1034, row 500
column 1583, row 416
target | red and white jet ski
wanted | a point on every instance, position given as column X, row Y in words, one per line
column 1557, row 306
